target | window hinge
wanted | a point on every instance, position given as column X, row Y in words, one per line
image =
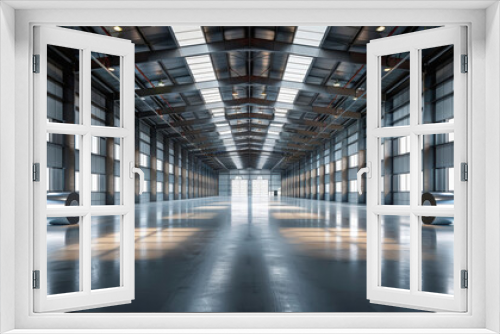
column 36, row 172
column 465, row 64
column 464, row 171
column 36, row 279
column 465, row 279
column 36, row 63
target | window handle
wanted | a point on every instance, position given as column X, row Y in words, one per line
column 134, row 170
column 368, row 171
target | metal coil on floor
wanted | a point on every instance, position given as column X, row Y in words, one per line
column 64, row 199
column 434, row 199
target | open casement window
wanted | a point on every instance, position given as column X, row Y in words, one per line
column 83, row 170
column 416, row 147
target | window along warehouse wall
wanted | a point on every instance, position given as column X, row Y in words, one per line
column 329, row 172
column 170, row 172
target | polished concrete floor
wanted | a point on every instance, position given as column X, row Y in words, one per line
column 240, row 254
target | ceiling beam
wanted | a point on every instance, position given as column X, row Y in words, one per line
column 248, row 81
column 242, row 115
column 256, row 44
column 317, row 124
column 206, row 107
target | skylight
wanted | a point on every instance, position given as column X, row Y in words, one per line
column 211, row 95
column 189, row 35
column 201, row 67
column 312, row 35
column 217, row 112
column 287, row 95
column 296, row 68
column 278, row 112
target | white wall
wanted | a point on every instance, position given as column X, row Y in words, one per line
column 7, row 159
column 492, row 149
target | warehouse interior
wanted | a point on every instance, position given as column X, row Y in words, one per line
column 250, row 139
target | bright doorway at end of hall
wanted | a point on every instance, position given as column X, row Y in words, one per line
column 260, row 187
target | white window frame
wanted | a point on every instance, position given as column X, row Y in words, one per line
column 484, row 240
column 455, row 35
column 85, row 297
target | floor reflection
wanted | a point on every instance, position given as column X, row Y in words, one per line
column 252, row 255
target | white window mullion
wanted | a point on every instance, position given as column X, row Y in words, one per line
column 415, row 102
column 85, row 158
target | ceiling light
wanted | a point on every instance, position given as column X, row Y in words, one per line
column 273, row 133
column 161, row 84
column 225, row 132
column 111, row 69
column 387, row 69
column 143, row 98
column 336, row 84
column 117, row 28
column 355, row 98
column 381, row 28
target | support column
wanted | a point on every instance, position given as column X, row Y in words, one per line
column 332, row 170
column 166, row 167
column 177, row 185
column 195, row 176
column 203, row 182
column 298, row 180
column 110, row 155
column 302, row 180
column 322, row 182
column 184, row 173
column 345, row 171
column 313, row 182
column 153, row 165
column 190, row 176
column 308, row 177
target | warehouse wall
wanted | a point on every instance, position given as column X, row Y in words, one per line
column 340, row 157
column 226, row 178
column 170, row 172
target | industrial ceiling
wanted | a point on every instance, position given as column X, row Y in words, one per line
column 249, row 97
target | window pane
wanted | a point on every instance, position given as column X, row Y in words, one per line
column 63, row 255
column 394, row 171
column 395, row 108
column 106, row 72
column 395, row 251
column 63, row 67
column 437, row 255
column 105, row 170
column 63, row 166
column 437, row 170
column 106, row 235
column 437, row 85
